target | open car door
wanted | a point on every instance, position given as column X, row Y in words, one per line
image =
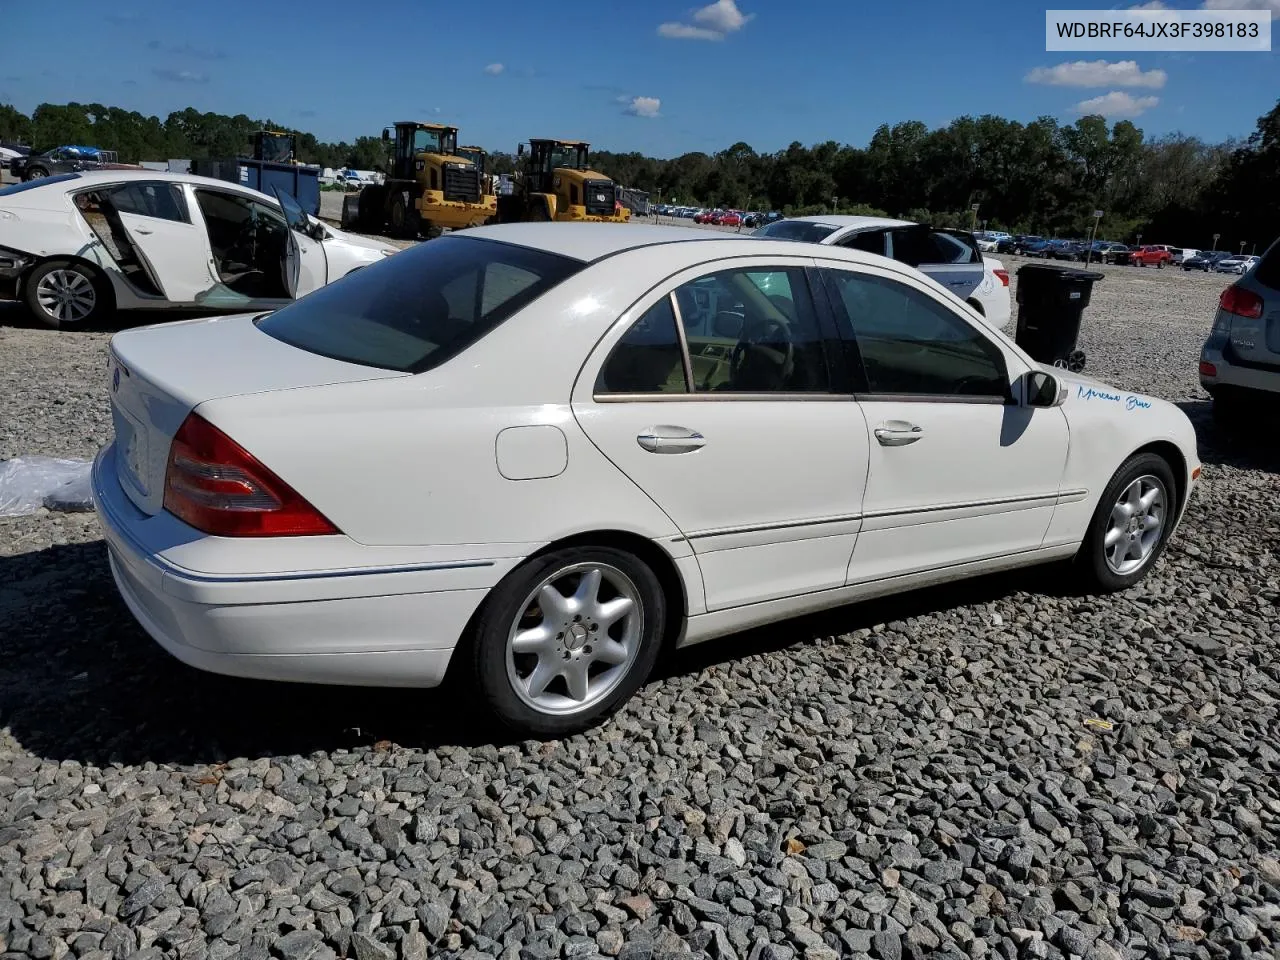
column 174, row 252
column 306, row 263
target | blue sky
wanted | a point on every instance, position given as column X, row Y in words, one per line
column 661, row 77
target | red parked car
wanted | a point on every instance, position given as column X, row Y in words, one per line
column 1151, row 255
column 730, row 219
column 706, row 216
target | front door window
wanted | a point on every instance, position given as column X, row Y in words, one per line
column 249, row 241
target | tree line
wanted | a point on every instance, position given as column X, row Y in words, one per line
column 1039, row 177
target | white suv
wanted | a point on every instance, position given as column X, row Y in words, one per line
column 951, row 258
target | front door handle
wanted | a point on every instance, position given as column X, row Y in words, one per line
column 145, row 233
column 665, row 439
column 897, row 433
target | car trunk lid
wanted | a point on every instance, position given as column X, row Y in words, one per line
column 160, row 374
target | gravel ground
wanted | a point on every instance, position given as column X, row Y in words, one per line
column 997, row 768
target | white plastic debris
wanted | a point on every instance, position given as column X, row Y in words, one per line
column 29, row 483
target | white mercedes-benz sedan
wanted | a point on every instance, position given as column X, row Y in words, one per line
column 540, row 453
column 77, row 246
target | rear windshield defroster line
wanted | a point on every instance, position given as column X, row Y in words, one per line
column 417, row 309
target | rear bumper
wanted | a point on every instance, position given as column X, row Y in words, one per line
column 1232, row 374
column 366, row 626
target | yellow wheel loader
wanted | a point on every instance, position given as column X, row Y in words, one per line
column 480, row 158
column 430, row 187
column 556, row 182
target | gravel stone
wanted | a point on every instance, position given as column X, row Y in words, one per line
column 920, row 776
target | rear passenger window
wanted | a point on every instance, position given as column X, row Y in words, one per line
column 164, row 201
column 870, row 241
column 648, row 359
column 920, row 245
column 907, row 344
column 749, row 331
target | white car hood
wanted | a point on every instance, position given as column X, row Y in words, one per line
column 366, row 243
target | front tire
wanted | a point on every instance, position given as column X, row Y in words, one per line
column 1131, row 524
column 62, row 294
column 567, row 638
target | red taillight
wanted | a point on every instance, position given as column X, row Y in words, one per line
column 1207, row 369
column 1003, row 275
column 1241, row 302
column 215, row 485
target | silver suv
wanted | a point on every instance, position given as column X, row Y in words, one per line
column 1241, row 358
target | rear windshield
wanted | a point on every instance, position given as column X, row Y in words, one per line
column 1267, row 270
column 42, row 182
column 417, row 309
column 805, row 230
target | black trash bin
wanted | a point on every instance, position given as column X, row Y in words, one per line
column 1051, row 300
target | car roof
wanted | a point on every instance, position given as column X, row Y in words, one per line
column 92, row 177
column 591, row 242
column 845, row 222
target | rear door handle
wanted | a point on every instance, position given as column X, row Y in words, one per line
column 145, row 233
column 664, row 439
column 897, row 433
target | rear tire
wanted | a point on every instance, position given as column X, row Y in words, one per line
column 1131, row 524
column 550, row 652
column 64, row 294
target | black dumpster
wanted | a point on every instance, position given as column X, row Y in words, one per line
column 1051, row 300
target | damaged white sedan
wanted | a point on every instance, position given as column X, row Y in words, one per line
column 78, row 246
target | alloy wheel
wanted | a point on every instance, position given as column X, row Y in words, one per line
column 577, row 636
column 1136, row 525
column 66, row 295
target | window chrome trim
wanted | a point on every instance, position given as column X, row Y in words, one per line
column 776, row 525
column 930, row 398
column 1040, row 498
column 689, row 385
column 716, row 396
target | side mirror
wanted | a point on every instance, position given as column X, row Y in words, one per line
column 1040, row 389
column 386, row 135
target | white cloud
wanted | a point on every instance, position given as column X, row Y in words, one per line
column 494, row 69
column 1150, row 5
column 1116, row 105
column 1098, row 73
column 1272, row 5
column 715, row 21
column 684, row 31
column 643, row 106
column 723, row 15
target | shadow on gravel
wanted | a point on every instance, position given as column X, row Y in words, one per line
column 1253, row 444
column 1046, row 579
column 80, row 681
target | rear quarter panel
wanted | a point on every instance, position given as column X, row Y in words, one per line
column 413, row 461
column 47, row 224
